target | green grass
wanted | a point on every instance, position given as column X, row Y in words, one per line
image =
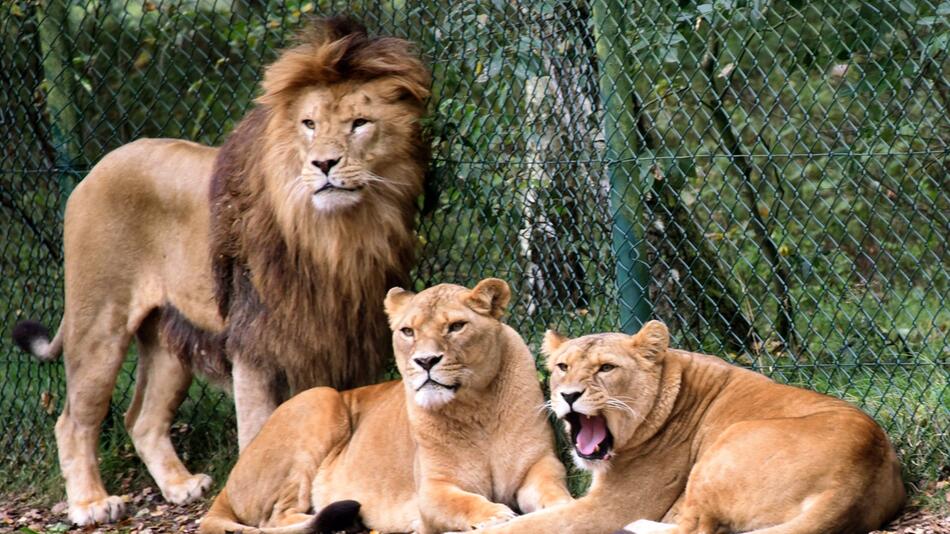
column 204, row 435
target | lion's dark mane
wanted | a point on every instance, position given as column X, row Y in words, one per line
column 309, row 322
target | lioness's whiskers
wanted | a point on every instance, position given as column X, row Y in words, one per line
column 623, row 398
column 545, row 406
column 617, row 404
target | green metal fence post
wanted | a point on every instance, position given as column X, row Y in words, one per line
column 52, row 19
column 620, row 123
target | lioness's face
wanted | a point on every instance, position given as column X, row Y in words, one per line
column 443, row 339
column 603, row 386
column 347, row 135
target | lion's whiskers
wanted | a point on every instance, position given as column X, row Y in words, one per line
column 370, row 176
column 294, row 190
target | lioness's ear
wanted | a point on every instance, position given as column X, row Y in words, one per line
column 490, row 297
column 653, row 336
column 396, row 300
column 552, row 340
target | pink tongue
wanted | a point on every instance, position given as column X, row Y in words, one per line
column 593, row 431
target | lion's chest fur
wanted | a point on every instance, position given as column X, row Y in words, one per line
column 302, row 291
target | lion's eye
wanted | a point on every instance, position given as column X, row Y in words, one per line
column 359, row 122
column 606, row 367
column 456, row 326
column 406, row 331
column 562, row 367
column 309, row 124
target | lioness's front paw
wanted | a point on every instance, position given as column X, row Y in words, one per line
column 104, row 510
column 494, row 516
column 187, row 490
column 550, row 503
column 644, row 526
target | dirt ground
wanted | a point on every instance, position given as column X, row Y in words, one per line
column 150, row 514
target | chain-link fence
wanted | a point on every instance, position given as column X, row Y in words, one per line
column 769, row 178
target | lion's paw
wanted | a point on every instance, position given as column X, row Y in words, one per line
column 187, row 490
column 643, row 526
column 498, row 515
column 105, row 510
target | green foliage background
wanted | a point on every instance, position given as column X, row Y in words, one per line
column 784, row 168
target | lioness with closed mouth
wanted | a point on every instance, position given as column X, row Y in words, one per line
column 456, row 444
column 687, row 438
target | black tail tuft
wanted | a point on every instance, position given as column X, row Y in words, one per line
column 26, row 332
column 339, row 516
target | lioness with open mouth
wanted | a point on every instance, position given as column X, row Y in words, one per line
column 456, row 444
column 689, row 439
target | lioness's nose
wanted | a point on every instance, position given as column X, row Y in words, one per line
column 571, row 396
column 325, row 165
column 427, row 362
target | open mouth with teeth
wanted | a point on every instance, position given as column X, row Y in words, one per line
column 591, row 437
column 432, row 383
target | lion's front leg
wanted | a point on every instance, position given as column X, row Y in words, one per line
column 544, row 486
column 256, row 396
column 446, row 507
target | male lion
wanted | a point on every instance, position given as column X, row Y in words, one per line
column 275, row 250
column 715, row 448
column 452, row 446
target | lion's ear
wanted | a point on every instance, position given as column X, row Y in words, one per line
column 653, row 336
column 552, row 341
column 396, row 300
column 490, row 297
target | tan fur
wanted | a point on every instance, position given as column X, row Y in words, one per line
column 712, row 447
column 288, row 281
column 441, row 464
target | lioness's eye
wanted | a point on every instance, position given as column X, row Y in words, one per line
column 606, row 367
column 562, row 367
column 359, row 122
column 309, row 124
column 456, row 326
column 406, row 331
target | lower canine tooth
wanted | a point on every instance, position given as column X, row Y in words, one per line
column 596, row 448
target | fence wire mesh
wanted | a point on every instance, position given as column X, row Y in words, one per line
column 769, row 178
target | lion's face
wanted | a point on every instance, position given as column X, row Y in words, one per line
column 347, row 135
column 445, row 339
column 603, row 386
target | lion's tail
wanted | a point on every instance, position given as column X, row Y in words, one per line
column 340, row 516
column 33, row 337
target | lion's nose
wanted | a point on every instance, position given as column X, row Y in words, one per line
column 325, row 165
column 571, row 396
column 427, row 362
